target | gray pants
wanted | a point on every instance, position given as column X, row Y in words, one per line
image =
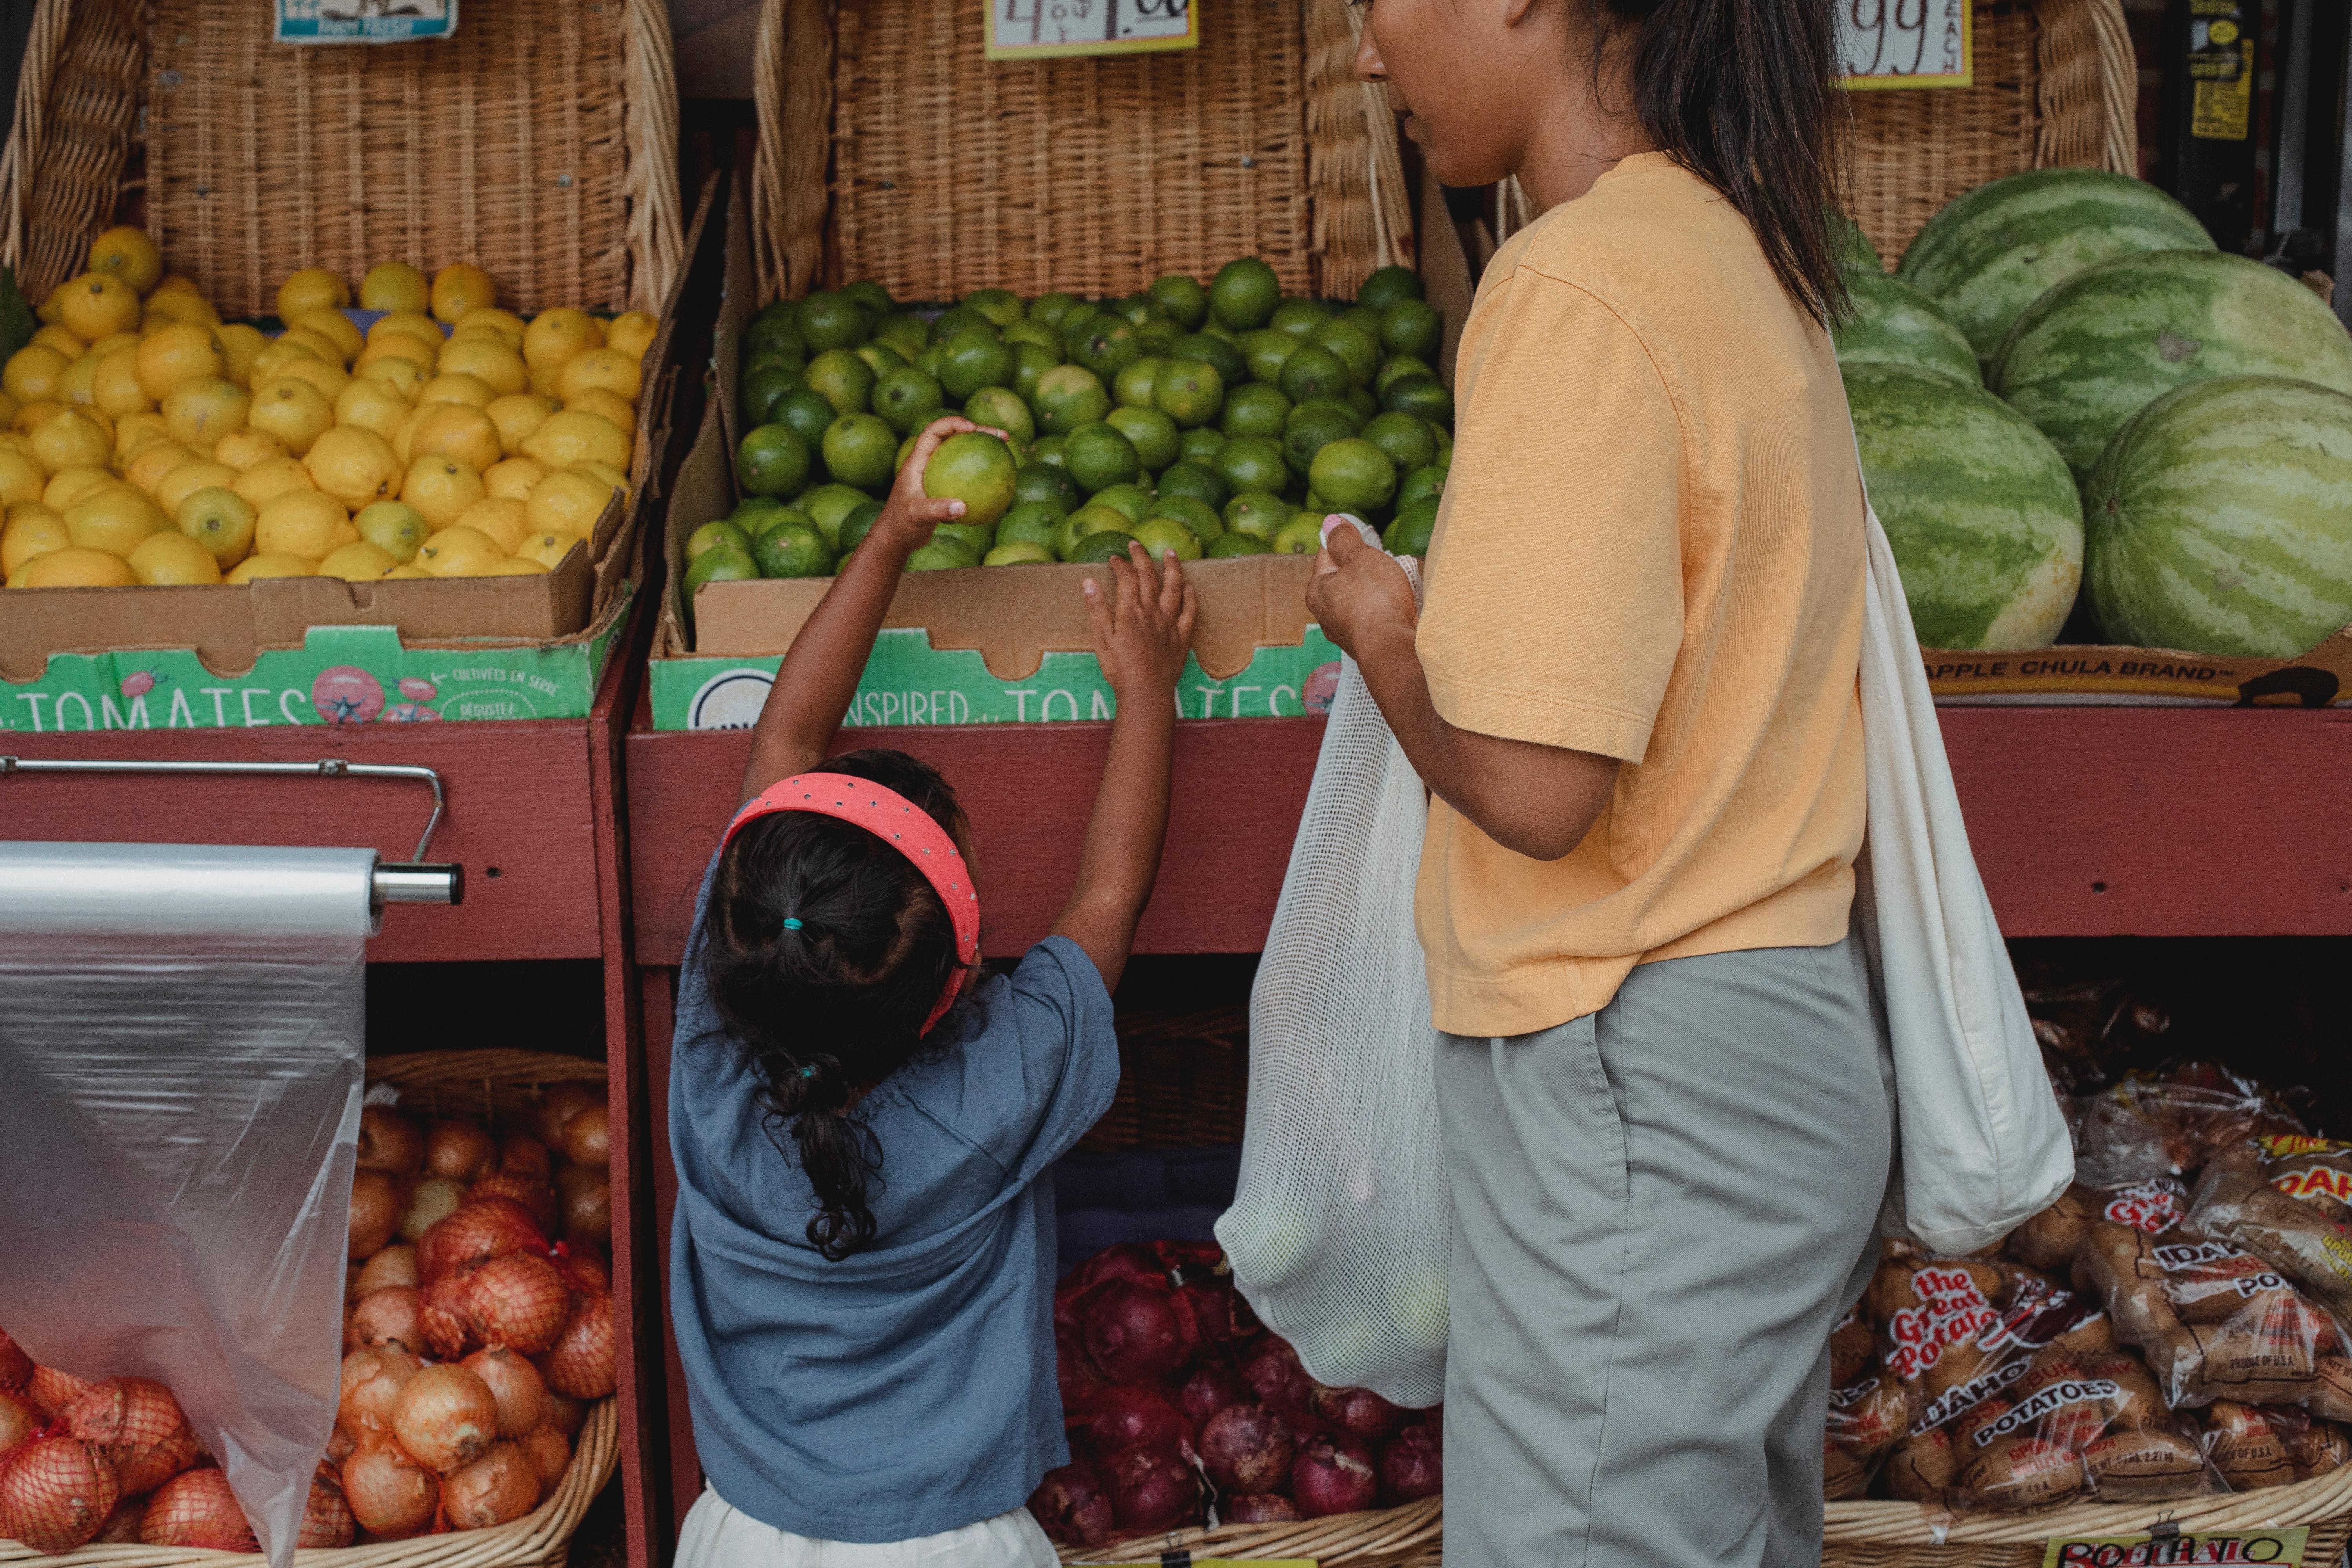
column 1660, row 1211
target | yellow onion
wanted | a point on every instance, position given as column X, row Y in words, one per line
column 395, row 1265
column 584, row 1364
column 588, row 1137
column 53, row 1389
column 137, row 1426
column 475, row 1232
column 378, row 1205
column 340, row 1444
column 496, row 1489
column 535, row 1194
column 559, row 1105
column 515, row 1383
column 390, row 1494
column 523, row 1156
column 327, row 1514
column 389, row 1142
column 551, row 1451
column 122, row 1526
column 19, row 1419
column 447, row 1418
column 393, row 1316
column 566, row 1416
column 16, row 1366
column 585, row 1193
column 446, row 1315
column 459, row 1151
column 56, row 1493
column 435, row 1198
column 372, row 1383
column 518, row 1302
column 197, row 1509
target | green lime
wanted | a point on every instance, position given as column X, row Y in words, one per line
column 772, row 461
column 1223, row 357
column 975, row 468
column 908, row 349
column 725, row 564
column 776, row 335
column 1196, row 515
column 1050, row 308
column 1409, row 534
column 826, row 321
column 943, row 555
column 1075, row 320
column 898, row 459
column 1257, row 512
column 1032, row 521
column 1107, row 342
column 1166, row 536
column 1152, row 433
column 1387, row 286
column 714, row 536
column 1158, row 338
column 879, row 358
column 1047, row 449
column 1361, row 400
column 1018, row 553
column 1444, row 441
column 1227, row 545
column 1130, row 502
column 1365, row 321
column 843, row 379
column 1357, row 348
column 1301, row 534
column 1309, row 430
column 1200, row 446
column 1266, row 352
column 1031, row 361
column 957, row 320
column 999, row 409
column 1069, row 395
column 1396, row 367
column 906, row 398
column 1138, row 309
column 1027, row 332
column 972, row 360
column 1098, row 453
column 1244, row 293
column 1314, row 371
column 1000, row 306
column 930, row 359
column 1353, row 475
column 1214, row 328
column 1132, row 387
column 753, row 510
column 1110, row 544
column 793, row 550
column 1339, row 405
column 1197, row 481
column 1300, row 317
column 1046, row 485
column 1251, row 463
column 870, row 294
column 827, row 505
column 977, row 539
column 776, row 517
column 768, row 359
column 763, row 390
column 1188, row 391
column 1404, row 438
column 1088, row 521
column 1422, row 395
column 857, row 525
column 1410, row 327
column 1428, row 480
column 1186, row 302
column 1255, row 409
column 861, row 450
column 906, row 324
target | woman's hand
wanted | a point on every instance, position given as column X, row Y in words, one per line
column 908, row 516
column 1358, row 595
column 1142, row 624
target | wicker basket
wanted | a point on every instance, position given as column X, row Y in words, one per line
column 1910, row 1535
column 1405, row 1537
column 1183, row 1082
column 944, row 172
column 540, row 142
column 2056, row 84
column 490, row 1085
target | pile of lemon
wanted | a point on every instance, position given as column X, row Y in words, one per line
column 149, row 442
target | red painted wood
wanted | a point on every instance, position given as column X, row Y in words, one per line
column 521, row 819
column 659, row 998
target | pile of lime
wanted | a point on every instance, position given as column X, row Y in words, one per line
column 1216, row 421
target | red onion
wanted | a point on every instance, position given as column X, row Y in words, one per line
column 371, row 1384
column 586, row 1362
column 515, row 1385
column 1333, row 1474
column 197, row 1509
column 559, row 1105
column 1275, row 1377
column 1259, row 1508
column 445, row 1417
column 327, row 1514
column 1209, row 1389
column 137, row 1426
column 1247, row 1449
column 496, row 1489
column 584, row 1195
column 434, row 1200
column 53, row 1389
column 1411, row 1465
column 55, row 1493
column 551, row 1454
column 390, row 1142
column 1219, row 1311
column 394, row 1316
column 1125, row 1261
column 1140, row 1333
column 459, row 1151
column 1125, row 1415
column 1075, row 1372
column 520, row 1154
column 1069, row 1505
column 390, row 1493
column 588, row 1137
column 518, row 1302
column 379, row 1203
column 394, row 1265
column 19, row 1419
column 535, row 1194
column 475, row 1233
column 1151, row 1489
column 1356, row 1410
column 1201, row 1256
column 16, row 1366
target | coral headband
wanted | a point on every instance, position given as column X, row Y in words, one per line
column 906, row 827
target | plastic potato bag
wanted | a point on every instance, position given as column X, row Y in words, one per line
column 2254, row 1446
column 2243, row 1198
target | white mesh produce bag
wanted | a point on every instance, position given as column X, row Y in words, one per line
column 1341, row 1227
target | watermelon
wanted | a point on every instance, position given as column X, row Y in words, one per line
column 1996, row 249
column 1894, row 324
column 2221, row 520
column 1978, row 506
column 2106, row 343
column 1853, row 247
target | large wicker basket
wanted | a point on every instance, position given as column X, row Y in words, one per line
column 1405, row 1537
column 539, row 143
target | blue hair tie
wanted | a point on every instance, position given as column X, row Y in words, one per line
column 790, row 923
column 808, row 1072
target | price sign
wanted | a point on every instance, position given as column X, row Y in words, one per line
column 1047, row 29
column 2178, row 1549
column 363, row 21
column 1905, row 43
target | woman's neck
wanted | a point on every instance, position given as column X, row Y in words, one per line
column 1568, row 157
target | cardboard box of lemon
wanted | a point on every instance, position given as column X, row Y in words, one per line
column 415, row 462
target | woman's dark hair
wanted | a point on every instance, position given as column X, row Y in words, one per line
column 827, row 1009
column 1743, row 93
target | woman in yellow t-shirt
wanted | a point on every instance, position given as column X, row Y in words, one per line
column 1631, row 693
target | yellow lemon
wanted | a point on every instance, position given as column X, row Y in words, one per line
column 221, row 520
column 547, row 548
column 97, row 303
column 335, row 327
column 608, row 406
column 21, row 478
column 171, row 492
column 506, row 323
column 609, row 370
column 34, row 531
column 494, row 364
column 604, row 473
column 558, row 335
column 393, row 527
column 240, row 346
column 274, row 359
column 414, row 323
column 371, row 405
column 394, row 286
column 513, row 479
column 173, row 561
column 179, row 352
column 68, row 486
column 454, row 430
column 8, row 407
column 542, row 381
column 404, row 430
column 456, row 387
column 77, row 567
column 130, row 255
column 354, row 465
column 406, row 570
column 301, row 523
column 418, row 350
column 515, row 415
column 512, row 566
column 632, row 332
column 116, row 388
column 440, row 487
column 573, row 434
column 113, row 341
column 64, row 341
column 312, row 288
column 358, row 562
column 567, row 502
column 403, row 375
column 502, row 522
column 51, row 310
column 457, row 553
column 151, row 463
column 79, row 385
column 296, row 412
column 176, row 283
column 32, row 414
column 240, row 449
column 199, row 413
column 182, row 306
column 317, row 342
column 271, row 478
column 253, row 567
column 134, row 431
column 33, row 371
column 325, row 375
column 114, row 517
column 459, row 287
column 73, row 438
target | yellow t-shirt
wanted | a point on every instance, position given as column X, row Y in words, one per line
column 1651, row 548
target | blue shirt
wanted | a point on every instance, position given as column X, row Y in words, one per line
column 909, row 1389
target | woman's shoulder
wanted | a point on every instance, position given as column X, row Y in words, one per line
column 1649, row 236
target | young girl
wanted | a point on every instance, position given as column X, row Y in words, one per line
column 865, row 1127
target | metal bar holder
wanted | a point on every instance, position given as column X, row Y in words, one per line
column 412, row 881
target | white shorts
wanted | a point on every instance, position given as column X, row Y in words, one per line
column 717, row 1535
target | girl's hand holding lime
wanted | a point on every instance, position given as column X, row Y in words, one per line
column 908, row 516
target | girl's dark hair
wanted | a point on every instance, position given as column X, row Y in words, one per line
column 1743, row 93
column 830, row 1007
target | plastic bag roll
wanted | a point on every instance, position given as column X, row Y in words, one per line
column 181, row 1030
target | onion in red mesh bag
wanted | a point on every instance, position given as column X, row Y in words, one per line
column 1124, row 1416
column 393, row 1316
column 137, row 1426
column 16, row 1366
column 1247, row 1449
column 515, row 1385
column 446, row 1416
column 1211, row 1388
column 19, row 1419
column 52, row 1389
column 496, row 1489
column 122, row 1526
column 1070, row 1507
column 535, row 1194
column 1151, row 1489
column 371, row 1381
column 1138, row 1333
column 390, row 1494
column 474, row 1233
column 55, row 1493
column 197, row 1509
column 586, row 1362
column 327, row 1514
column 582, row 1268
column 1411, row 1465
column 1333, row 1474
column 520, row 1302
column 1259, row 1508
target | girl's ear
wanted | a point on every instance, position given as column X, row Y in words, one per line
column 1516, row 11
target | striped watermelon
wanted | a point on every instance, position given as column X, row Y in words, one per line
column 1894, row 324
column 2221, row 520
column 1980, row 510
column 1853, row 247
column 1996, row 249
column 2104, row 344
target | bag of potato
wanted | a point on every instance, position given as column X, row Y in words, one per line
column 2050, row 1241
column 2253, row 1446
column 1869, row 1414
column 2275, row 1197
column 2165, row 1125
